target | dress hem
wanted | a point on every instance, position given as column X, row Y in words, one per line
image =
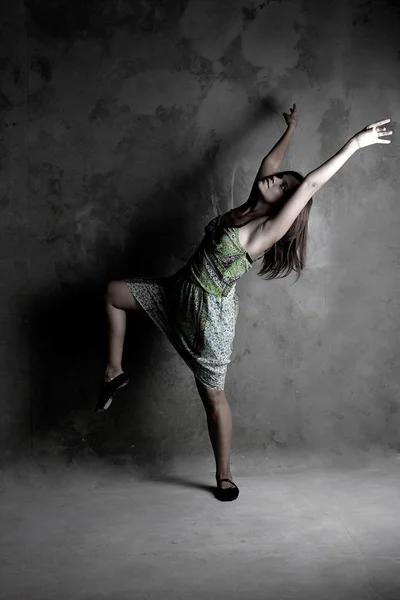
column 167, row 335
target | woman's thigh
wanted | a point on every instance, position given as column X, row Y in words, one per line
column 119, row 295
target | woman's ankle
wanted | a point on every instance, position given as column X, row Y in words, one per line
column 112, row 372
column 226, row 475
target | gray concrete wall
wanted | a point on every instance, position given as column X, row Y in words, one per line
column 135, row 124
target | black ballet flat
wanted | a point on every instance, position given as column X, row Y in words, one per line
column 228, row 494
column 108, row 390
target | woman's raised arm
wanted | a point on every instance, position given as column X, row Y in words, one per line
column 276, row 227
column 272, row 161
column 371, row 134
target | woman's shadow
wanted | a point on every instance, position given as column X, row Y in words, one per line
column 67, row 333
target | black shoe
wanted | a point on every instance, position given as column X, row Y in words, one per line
column 108, row 390
column 227, row 494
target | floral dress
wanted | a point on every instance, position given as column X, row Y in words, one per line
column 197, row 307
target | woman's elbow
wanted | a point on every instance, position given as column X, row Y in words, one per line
column 312, row 183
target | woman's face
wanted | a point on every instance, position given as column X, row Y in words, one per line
column 275, row 188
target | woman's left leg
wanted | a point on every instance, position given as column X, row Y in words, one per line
column 219, row 421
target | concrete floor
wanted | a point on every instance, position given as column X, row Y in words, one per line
column 90, row 532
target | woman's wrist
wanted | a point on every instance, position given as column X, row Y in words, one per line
column 353, row 143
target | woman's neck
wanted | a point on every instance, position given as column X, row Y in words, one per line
column 248, row 213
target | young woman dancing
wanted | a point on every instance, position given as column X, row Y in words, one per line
column 197, row 307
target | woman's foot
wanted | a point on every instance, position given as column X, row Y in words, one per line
column 226, row 489
column 108, row 390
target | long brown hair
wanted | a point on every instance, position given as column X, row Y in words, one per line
column 289, row 253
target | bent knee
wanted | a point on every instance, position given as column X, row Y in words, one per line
column 113, row 288
column 119, row 295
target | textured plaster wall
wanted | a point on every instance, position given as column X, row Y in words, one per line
column 126, row 126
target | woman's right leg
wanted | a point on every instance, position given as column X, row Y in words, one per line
column 118, row 300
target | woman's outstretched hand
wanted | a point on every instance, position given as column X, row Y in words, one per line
column 373, row 134
column 293, row 118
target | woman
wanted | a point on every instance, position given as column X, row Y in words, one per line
column 197, row 307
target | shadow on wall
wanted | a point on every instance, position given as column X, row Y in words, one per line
column 68, row 330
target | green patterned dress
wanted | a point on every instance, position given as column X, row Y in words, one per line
column 197, row 307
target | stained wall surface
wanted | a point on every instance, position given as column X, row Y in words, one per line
column 126, row 126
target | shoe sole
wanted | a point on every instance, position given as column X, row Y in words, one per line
column 108, row 403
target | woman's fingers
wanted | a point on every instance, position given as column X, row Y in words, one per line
column 381, row 134
column 291, row 111
column 379, row 123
